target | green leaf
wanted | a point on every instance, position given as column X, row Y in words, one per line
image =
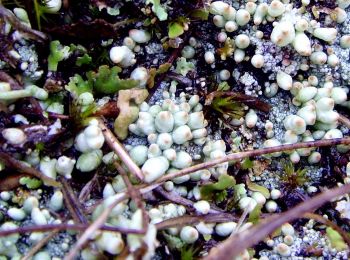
column 247, row 164
column 336, row 240
column 255, row 187
column 77, row 85
column 201, row 14
column 158, row 9
column 58, row 53
column 228, row 106
column 223, row 86
column 30, row 183
column 106, row 80
column 85, row 59
column 209, row 191
column 173, row 241
column 254, row 216
column 175, row 29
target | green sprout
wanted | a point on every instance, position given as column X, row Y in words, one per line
column 158, row 9
column 228, row 106
column 218, row 190
column 58, row 53
column 292, row 177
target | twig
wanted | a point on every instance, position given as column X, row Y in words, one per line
column 89, row 232
column 64, row 227
column 86, row 190
column 174, row 197
column 23, row 168
column 344, row 120
column 135, row 195
column 253, row 153
column 72, row 203
column 7, row 78
column 32, row 34
column 331, row 224
column 191, row 220
column 245, row 239
column 40, row 245
column 118, row 148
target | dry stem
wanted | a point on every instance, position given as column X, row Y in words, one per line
column 24, row 168
column 40, row 245
column 118, row 148
column 242, row 155
column 134, row 194
column 89, row 232
column 64, row 227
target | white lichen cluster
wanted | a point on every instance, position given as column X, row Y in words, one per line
column 296, row 32
column 315, row 119
column 31, row 209
column 167, row 125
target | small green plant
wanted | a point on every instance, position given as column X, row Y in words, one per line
column 106, row 80
column 293, row 178
column 228, row 106
column 218, row 191
column 30, row 183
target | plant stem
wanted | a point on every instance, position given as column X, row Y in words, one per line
column 64, row 227
column 135, row 195
column 118, row 148
column 174, row 197
column 89, row 232
column 192, row 220
column 246, row 154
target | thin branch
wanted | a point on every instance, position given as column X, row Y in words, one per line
column 192, row 220
column 174, row 197
column 118, row 148
column 72, row 203
column 135, row 195
column 21, row 167
column 331, row 224
column 64, row 227
column 40, row 245
column 18, row 25
column 232, row 246
column 258, row 152
column 96, row 225
column 344, row 120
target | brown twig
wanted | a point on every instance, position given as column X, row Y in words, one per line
column 88, row 187
column 258, row 152
column 245, row 239
column 192, row 220
column 21, row 167
column 331, row 224
column 174, row 197
column 118, row 148
column 135, row 195
column 344, row 120
column 40, row 245
column 89, row 232
column 18, row 25
column 72, row 203
column 64, row 227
